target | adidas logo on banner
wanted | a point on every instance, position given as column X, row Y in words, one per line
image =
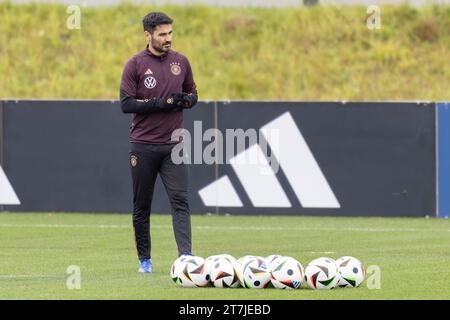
column 7, row 194
column 264, row 190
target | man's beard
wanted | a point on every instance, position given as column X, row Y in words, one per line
column 161, row 47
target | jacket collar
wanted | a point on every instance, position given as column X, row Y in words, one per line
column 161, row 57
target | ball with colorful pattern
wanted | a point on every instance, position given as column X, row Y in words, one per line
column 223, row 273
column 256, row 273
column 286, row 273
column 351, row 270
column 190, row 272
column 322, row 274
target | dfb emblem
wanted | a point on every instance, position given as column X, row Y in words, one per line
column 133, row 160
column 150, row 82
column 175, row 68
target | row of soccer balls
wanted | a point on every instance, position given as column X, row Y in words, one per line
column 282, row 272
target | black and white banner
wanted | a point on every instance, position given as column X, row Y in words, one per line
column 311, row 158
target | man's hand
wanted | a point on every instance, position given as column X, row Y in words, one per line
column 178, row 99
column 184, row 100
column 190, row 100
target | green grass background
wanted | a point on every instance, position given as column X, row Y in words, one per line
column 37, row 248
column 319, row 53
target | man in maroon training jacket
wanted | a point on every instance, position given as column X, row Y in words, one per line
column 157, row 85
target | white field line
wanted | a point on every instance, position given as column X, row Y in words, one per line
column 238, row 228
column 15, row 276
column 41, row 225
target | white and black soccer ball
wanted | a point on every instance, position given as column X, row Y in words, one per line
column 286, row 273
column 237, row 270
column 216, row 257
column 256, row 273
column 190, row 272
column 322, row 274
column 351, row 270
column 223, row 273
column 271, row 259
column 242, row 263
column 209, row 262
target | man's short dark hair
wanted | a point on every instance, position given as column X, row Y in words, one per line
column 154, row 19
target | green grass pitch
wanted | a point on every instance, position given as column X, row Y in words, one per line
column 36, row 250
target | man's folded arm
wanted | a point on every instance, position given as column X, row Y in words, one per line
column 133, row 105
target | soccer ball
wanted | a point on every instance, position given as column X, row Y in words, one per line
column 271, row 259
column 190, row 272
column 210, row 261
column 256, row 273
column 322, row 274
column 286, row 273
column 237, row 270
column 351, row 270
column 223, row 274
column 242, row 263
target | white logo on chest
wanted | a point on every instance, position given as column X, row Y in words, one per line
column 150, row 82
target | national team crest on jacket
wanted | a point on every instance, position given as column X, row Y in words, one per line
column 175, row 68
column 133, row 160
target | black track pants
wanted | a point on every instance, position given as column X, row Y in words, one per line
column 146, row 161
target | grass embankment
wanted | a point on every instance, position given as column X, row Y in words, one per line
column 320, row 53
